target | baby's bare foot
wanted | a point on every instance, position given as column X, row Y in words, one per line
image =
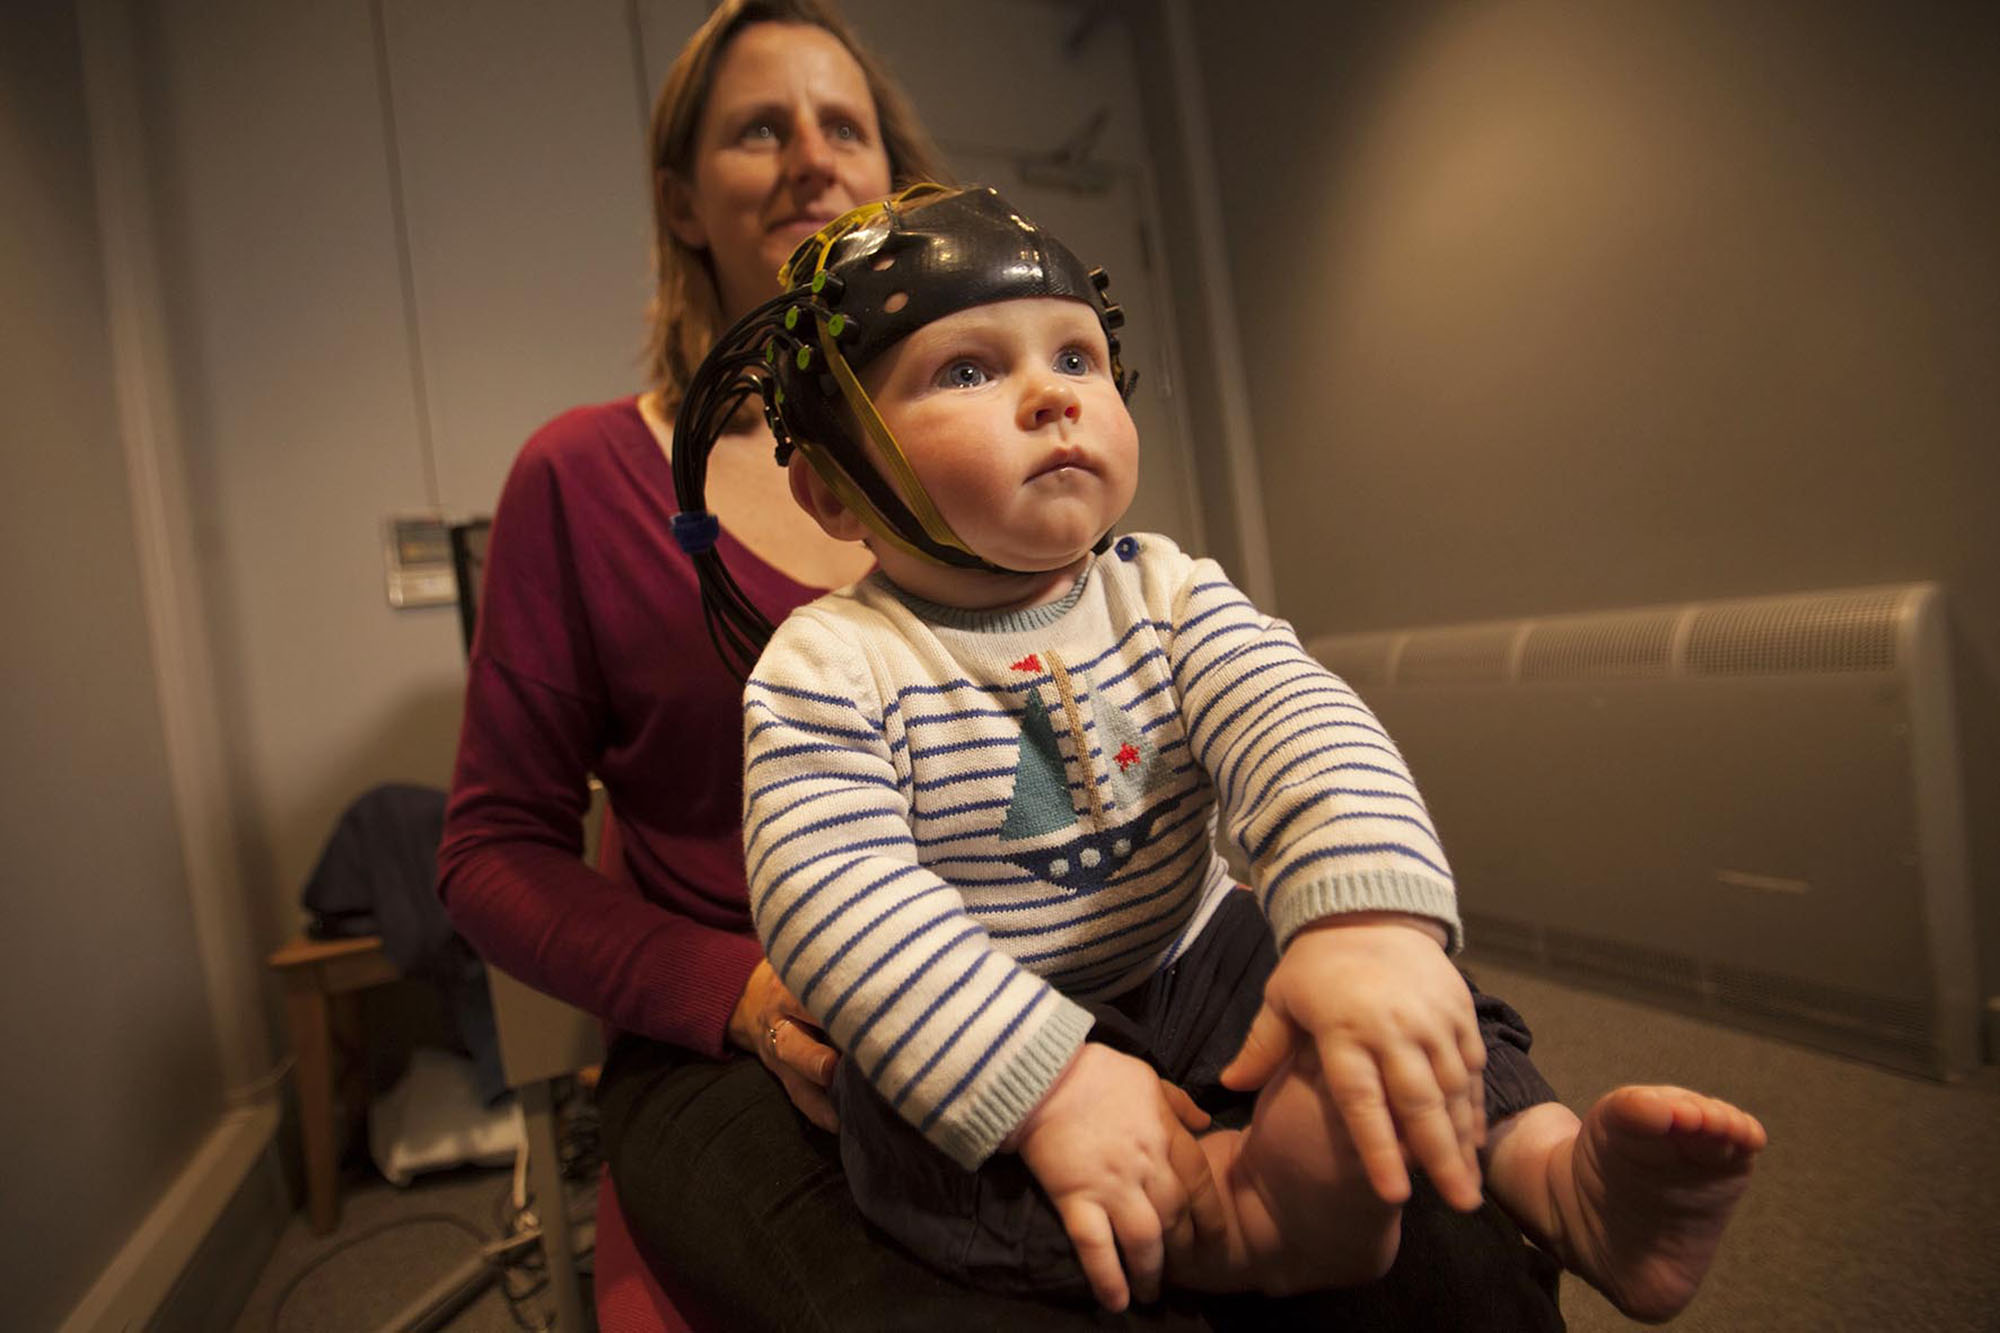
column 1643, row 1192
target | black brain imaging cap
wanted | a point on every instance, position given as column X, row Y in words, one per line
column 927, row 257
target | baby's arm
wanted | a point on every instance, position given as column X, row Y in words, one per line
column 1110, row 1143
column 1353, row 879
column 1398, row 1043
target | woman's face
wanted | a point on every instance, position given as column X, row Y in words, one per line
column 788, row 142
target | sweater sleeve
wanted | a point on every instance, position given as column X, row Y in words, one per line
column 1309, row 783
column 513, row 877
column 510, row 867
column 956, row 1036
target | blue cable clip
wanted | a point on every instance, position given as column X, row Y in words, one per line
column 696, row 530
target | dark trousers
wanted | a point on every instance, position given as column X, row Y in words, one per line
column 751, row 1221
column 994, row 1227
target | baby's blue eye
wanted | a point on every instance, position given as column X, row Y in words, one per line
column 1071, row 361
column 961, row 375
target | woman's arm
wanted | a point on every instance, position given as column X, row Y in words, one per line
column 516, row 886
column 582, row 605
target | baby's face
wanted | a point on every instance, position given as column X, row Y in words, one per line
column 1009, row 416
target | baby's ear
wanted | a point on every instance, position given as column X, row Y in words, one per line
column 817, row 498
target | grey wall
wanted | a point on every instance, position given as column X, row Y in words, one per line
column 1561, row 307
column 112, row 1069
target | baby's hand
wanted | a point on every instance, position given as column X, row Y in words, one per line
column 1111, row 1143
column 1398, row 1044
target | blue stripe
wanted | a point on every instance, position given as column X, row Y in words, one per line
column 1398, row 774
column 1264, row 843
column 1099, row 972
column 809, row 696
column 770, row 936
column 874, row 1075
column 902, row 988
column 958, row 715
column 789, row 751
column 853, row 899
column 976, row 775
column 837, row 786
column 985, row 1057
column 1382, row 746
column 812, row 983
column 1282, row 717
column 963, row 808
column 1233, row 689
column 811, row 728
column 818, row 775
column 951, row 913
column 807, row 829
column 1358, row 849
column 1089, row 973
column 866, row 844
column 957, row 1033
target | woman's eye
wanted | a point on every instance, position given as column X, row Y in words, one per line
column 1073, row 361
column 760, row 131
column 961, row 375
column 845, row 131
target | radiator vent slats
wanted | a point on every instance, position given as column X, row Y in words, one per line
column 1800, row 635
column 1474, row 654
column 1805, row 634
column 1611, row 646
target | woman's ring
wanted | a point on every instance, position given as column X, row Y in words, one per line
column 771, row 1031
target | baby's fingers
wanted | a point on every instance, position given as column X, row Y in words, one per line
column 1090, row 1231
column 1355, row 1085
column 1435, row 1113
column 1201, row 1216
column 1264, row 1049
column 1142, row 1239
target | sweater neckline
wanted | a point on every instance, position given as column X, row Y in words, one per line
column 991, row 622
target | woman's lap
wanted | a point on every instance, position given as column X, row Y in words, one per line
column 746, row 1210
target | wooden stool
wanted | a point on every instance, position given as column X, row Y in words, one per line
column 321, row 979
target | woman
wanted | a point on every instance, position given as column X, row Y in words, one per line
column 592, row 658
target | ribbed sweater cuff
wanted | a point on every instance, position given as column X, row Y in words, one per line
column 694, row 991
column 975, row 1134
column 1296, row 906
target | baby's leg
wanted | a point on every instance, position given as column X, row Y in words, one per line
column 1301, row 1213
column 1635, row 1196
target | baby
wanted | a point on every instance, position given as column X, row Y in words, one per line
column 981, row 792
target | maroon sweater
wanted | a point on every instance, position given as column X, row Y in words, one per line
column 591, row 657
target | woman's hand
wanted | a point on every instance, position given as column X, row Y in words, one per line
column 773, row 1025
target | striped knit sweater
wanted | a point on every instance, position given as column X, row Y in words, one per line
column 954, row 821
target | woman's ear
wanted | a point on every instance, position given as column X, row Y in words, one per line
column 677, row 202
column 817, row 498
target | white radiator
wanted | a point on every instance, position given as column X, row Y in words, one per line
column 1745, row 808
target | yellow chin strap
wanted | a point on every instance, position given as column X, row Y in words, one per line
column 902, row 478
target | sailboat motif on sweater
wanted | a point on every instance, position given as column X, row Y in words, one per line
column 1082, row 815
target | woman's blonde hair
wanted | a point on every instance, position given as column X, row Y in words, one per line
column 686, row 311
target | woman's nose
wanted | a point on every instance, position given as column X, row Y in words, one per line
column 809, row 157
column 1048, row 401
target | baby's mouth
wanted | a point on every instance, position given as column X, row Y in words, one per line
column 1061, row 459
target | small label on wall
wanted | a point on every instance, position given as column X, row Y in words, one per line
column 416, row 552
